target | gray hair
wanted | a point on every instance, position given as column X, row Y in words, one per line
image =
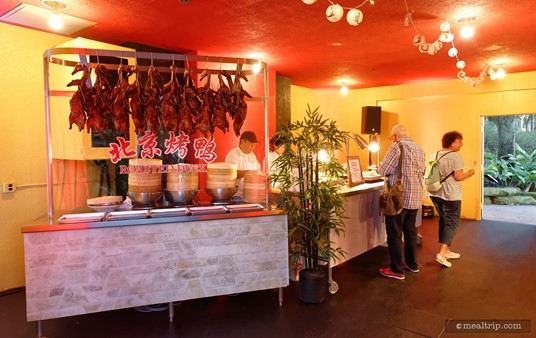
column 399, row 130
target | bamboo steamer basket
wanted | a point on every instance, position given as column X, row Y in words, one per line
column 221, row 175
column 254, row 188
column 181, row 177
column 145, row 175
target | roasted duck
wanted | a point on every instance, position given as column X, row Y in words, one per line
column 103, row 91
column 152, row 106
column 81, row 98
column 239, row 105
column 191, row 92
column 101, row 105
column 137, row 104
column 204, row 118
column 121, row 109
column 219, row 111
column 172, row 94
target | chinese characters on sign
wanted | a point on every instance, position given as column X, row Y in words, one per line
column 203, row 147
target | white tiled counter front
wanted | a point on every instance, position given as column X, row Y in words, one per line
column 90, row 268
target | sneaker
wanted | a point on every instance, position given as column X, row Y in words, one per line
column 386, row 272
column 452, row 255
column 442, row 260
column 410, row 269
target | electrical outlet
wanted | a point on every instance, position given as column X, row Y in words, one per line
column 8, row 187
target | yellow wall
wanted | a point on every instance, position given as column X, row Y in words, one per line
column 428, row 110
column 22, row 126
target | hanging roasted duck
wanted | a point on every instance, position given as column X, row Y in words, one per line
column 207, row 95
column 121, row 108
column 138, row 103
column 186, row 114
column 152, row 93
column 227, row 90
column 240, row 106
column 191, row 92
column 81, row 98
column 103, row 91
column 219, row 112
column 102, row 102
column 171, row 92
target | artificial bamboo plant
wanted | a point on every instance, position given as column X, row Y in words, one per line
column 309, row 186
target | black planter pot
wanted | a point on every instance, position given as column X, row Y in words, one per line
column 313, row 285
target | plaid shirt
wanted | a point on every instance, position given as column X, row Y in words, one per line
column 413, row 165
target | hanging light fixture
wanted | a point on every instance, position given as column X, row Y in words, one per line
column 374, row 147
column 374, row 144
column 354, row 17
column 334, row 12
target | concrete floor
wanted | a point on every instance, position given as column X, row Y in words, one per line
column 492, row 281
column 523, row 214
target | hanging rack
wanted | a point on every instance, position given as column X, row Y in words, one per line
column 54, row 56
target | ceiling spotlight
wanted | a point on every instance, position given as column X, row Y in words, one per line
column 467, row 30
column 309, row 2
column 257, row 67
column 500, row 74
column 334, row 12
column 55, row 20
column 344, row 89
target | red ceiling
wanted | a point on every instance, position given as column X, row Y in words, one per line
column 296, row 39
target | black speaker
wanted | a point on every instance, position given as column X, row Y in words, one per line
column 371, row 120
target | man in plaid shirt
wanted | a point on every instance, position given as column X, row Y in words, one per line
column 413, row 166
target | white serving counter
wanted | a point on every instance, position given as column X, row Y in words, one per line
column 364, row 224
column 74, row 269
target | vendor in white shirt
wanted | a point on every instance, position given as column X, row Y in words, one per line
column 244, row 158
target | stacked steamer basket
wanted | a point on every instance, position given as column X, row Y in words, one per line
column 254, row 188
column 182, row 184
column 221, row 182
column 145, row 182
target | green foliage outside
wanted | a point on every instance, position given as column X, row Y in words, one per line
column 513, row 170
column 525, row 139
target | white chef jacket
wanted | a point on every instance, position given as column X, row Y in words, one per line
column 243, row 162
